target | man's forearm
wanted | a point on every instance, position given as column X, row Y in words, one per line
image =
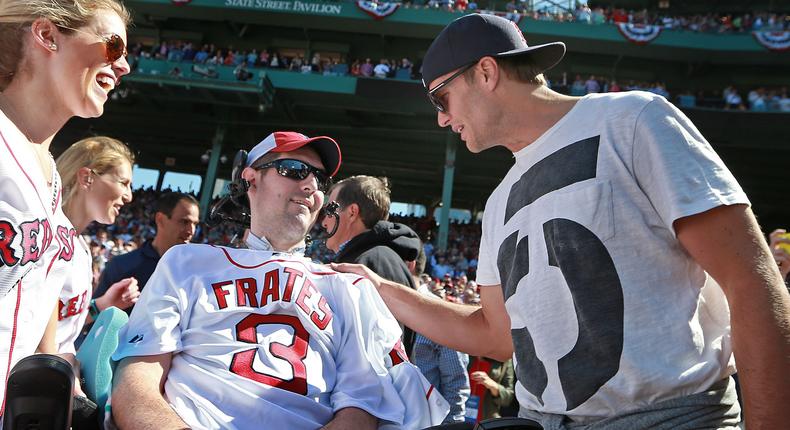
column 761, row 342
column 352, row 419
column 460, row 327
column 133, row 409
column 138, row 402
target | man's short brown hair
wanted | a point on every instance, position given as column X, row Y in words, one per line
column 520, row 68
column 370, row 193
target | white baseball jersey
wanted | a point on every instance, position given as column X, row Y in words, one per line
column 260, row 340
column 34, row 235
column 75, row 297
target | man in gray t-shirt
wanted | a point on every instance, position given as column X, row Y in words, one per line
column 620, row 263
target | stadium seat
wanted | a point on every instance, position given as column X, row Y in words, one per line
column 94, row 355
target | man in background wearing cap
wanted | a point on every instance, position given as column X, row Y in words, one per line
column 599, row 251
column 260, row 337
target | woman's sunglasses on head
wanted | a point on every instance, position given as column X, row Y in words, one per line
column 297, row 170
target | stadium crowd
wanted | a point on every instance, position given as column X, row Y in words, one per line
column 761, row 99
column 601, row 14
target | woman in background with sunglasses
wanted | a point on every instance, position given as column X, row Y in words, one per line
column 97, row 182
column 58, row 59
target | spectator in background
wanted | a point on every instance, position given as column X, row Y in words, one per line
column 780, row 246
column 363, row 234
column 732, row 100
column 578, row 87
column 592, row 85
column 382, row 69
column 176, row 216
column 263, row 59
column 296, row 63
column 241, row 72
column 404, row 68
column 252, row 58
column 687, row 99
column 366, row 69
column 441, row 268
column 97, row 178
column 660, row 89
column 202, row 55
column 356, row 68
column 315, row 63
column 499, row 382
column 784, row 100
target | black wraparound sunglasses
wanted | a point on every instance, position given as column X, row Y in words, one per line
column 298, row 170
column 437, row 104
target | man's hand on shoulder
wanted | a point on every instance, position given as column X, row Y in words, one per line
column 360, row 270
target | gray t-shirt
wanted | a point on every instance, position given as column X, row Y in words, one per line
column 608, row 311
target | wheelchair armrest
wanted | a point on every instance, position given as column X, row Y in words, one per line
column 508, row 424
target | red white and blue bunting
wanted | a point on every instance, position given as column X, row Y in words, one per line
column 515, row 17
column 639, row 33
column 378, row 10
column 773, row 40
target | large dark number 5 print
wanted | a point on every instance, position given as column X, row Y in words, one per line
column 588, row 270
column 294, row 354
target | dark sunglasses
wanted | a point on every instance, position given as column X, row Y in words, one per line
column 297, row 170
column 114, row 48
column 437, row 104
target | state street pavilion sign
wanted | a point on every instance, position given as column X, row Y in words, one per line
column 294, row 6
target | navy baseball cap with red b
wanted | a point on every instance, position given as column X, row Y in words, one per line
column 474, row 36
column 286, row 141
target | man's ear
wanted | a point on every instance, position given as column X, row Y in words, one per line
column 45, row 34
column 248, row 174
column 412, row 265
column 159, row 218
column 353, row 210
column 489, row 72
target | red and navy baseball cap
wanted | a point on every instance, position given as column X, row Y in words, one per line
column 474, row 36
column 286, row 141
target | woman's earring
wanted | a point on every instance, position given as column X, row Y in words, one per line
column 53, row 47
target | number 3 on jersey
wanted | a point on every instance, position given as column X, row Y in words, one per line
column 294, row 354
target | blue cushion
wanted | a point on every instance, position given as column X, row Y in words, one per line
column 96, row 367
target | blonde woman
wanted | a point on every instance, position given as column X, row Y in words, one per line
column 97, row 178
column 58, row 59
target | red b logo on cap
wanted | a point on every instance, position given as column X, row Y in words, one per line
column 520, row 33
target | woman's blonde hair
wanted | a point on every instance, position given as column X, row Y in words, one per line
column 99, row 153
column 17, row 15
